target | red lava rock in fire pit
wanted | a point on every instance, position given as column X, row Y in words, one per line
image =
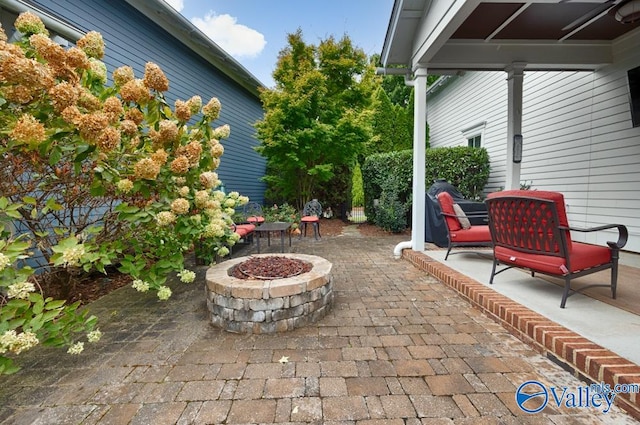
column 271, row 267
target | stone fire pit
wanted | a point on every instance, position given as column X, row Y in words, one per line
column 268, row 305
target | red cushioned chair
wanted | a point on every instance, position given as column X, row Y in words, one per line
column 311, row 214
column 530, row 230
column 253, row 213
column 458, row 235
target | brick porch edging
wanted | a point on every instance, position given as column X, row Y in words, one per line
column 586, row 360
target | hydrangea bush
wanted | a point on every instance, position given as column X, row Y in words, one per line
column 96, row 174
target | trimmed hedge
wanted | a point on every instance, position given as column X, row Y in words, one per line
column 388, row 178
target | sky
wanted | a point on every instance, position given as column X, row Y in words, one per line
column 254, row 31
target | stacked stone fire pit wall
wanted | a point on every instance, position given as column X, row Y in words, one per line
column 268, row 306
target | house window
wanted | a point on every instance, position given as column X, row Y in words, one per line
column 475, row 142
column 473, row 135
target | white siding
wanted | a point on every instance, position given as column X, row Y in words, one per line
column 578, row 137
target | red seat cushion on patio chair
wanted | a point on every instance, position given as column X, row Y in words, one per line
column 244, row 229
column 310, row 219
column 472, row 234
column 583, row 256
column 255, row 219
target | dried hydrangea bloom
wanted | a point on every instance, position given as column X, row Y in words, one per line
column 113, row 108
column 180, row 206
column 28, row 130
column 184, row 191
column 76, row 58
column 154, row 78
column 160, row 156
column 63, row 95
column 211, row 110
column 146, row 169
column 92, row 44
column 182, row 110
column 109, row 139
column 168, row 131
column 128, row 127
column 135, row 115
column 209, row 180
column 92, row 125
column 27, row 72
column 195, row 104
column 135, row 91
column 180, row 165
column 98, row 69
column 191, row 150
column 72, row 115
column 88, row 101
column 123, row 75
column 216, row 149
column 215, row 163
column 3, row 35
column 49, row 50
column 28, row 23
column 17, row 94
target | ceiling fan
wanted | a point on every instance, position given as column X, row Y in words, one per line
column 627, row 11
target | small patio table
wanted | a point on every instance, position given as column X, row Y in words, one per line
column 277, row 226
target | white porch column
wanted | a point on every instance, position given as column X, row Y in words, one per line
column 419, row 158
column 515, row 76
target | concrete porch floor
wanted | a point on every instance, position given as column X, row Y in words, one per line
column 602, row 323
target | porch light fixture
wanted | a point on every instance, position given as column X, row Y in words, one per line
column 629, row 12
column 517, row 148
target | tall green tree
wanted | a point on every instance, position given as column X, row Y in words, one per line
column 316, row 118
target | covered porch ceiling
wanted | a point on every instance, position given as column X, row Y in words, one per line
column 446, row 36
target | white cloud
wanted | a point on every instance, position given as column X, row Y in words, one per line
column 176, row 4
column 236, row 39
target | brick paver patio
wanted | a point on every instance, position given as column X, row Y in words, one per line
column 398, row 347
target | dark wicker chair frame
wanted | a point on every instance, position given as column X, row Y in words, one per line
column 531, row 226
column 311, row 214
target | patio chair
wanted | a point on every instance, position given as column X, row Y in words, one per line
column 311, row 214
column 459, row 229
column 253, row 213
column 530, row 230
